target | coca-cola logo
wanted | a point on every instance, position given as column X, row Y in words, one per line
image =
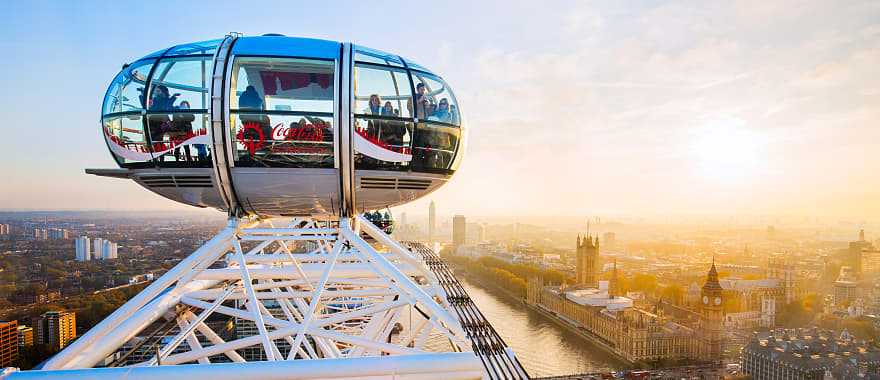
column 300, row 132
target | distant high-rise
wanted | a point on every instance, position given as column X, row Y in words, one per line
column 83, row 249
column 587, row 260
column 609, row 239
column 98, row 252
column 432, row 221
column 55, row 329
column 4, row 229
column 845, row 288
column 481, row 233
column 109, row 250
column 459, row 230
column 8, row 343
column 58, row 233
column 853, row 255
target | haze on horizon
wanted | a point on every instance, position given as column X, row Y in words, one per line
column 574, row 108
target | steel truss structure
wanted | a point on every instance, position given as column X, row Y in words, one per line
column 306, row 290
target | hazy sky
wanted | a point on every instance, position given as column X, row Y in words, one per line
column 574, row 107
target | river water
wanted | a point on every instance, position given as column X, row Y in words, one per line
column 543, row 347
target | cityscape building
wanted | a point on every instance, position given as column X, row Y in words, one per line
column 481, row 233
column 83, row 248
column 54, row 329
column 25, row 336
column 846, row 287
column 58, row 233
column 4, row 229
column 459, row 231
column 109, row 250
column 609, row 239
column 8, row 343
column 782, row 268
column 808, row 354
column 98, row 250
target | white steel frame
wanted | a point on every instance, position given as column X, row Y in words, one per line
column 339, row 298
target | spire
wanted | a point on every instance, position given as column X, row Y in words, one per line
column 713, row 272
column 579, row 241
column 862, row 235
column 712, row 278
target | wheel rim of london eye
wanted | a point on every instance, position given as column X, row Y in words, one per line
column 280, row 126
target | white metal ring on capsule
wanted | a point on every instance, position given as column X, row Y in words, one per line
column 281, row 126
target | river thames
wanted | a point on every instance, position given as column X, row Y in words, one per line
column 543, row 347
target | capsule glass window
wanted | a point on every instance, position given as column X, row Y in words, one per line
column 434, row 100
column 126, row 92
column 121, row 120
column 281, row 112
column 177, row 118
column 435, row 147
column 383, row 117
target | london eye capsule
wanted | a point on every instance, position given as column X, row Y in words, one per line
column 281, row 126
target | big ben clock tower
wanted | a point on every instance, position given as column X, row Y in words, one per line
column 712, row 313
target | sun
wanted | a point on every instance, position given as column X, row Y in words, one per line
column 727, row 151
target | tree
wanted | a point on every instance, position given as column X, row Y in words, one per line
column 673, row 293
column 644, row 283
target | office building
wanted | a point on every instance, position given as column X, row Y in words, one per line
column 55, row 329
column 459, row 231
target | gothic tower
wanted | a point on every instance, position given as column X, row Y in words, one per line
column 587, row 261
column 614, row 288
column 712, row 316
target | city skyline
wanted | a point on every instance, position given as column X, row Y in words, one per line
column 654, row 109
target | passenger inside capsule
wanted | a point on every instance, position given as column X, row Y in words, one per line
column 250, row 99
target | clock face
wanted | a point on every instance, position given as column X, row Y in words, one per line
column 717, row 300
column 706, row 300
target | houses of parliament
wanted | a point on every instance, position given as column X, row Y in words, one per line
column 599, row 310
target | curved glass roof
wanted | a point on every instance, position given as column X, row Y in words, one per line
column 286, row 47
column 283, row 46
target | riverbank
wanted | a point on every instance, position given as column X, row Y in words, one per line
column 572, row 327
column 547, row 316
